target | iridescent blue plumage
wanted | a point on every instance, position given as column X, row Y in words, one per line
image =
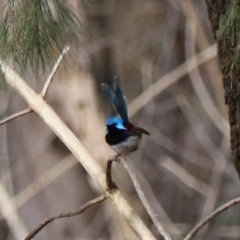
column 121, row 135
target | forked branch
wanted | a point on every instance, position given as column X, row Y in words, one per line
column 44, row 91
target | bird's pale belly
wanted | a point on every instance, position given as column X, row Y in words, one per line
column 130, row 145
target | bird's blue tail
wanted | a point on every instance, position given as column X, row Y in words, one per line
column 116, row 97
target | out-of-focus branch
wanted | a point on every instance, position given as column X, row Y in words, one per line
column 203, row 42
column 221, row 209
column 39, row 106
column 10, row 214
column 199, row 87
column 51, row 175
column 171, row 78
column 184, row 176
column 64, row 215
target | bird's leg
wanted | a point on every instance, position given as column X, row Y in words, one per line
column 110, row 184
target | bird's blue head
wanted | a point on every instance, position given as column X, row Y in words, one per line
column 116, row 122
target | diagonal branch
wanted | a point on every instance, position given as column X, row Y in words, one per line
column 64, row 215
column 39, row 106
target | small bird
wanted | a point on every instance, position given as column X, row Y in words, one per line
column 121, row 134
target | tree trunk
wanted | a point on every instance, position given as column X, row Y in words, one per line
column 225, row 21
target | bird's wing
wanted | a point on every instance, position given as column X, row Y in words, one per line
column 116, row 97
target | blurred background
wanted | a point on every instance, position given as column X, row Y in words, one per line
column 184, row 166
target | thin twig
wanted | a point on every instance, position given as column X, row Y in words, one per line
column 16, row 115
column 221, row 209
column 54, row 70
column 144, row 200
column 64, row 215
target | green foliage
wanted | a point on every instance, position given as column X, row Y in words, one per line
column 229, row 34
column 228, row 22
column 32, row 32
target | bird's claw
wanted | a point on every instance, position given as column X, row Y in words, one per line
column 112, row 186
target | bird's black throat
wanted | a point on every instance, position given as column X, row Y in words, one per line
column 115, row 136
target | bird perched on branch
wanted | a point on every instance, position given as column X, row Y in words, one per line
column 121, row 134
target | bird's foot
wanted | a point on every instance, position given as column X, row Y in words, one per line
column 112, row 186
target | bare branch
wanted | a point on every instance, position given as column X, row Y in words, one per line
column 52, row 74
column 144, row 200
column 38, row 105
column 16, row 115
column 64, row 215
column 221, row 209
